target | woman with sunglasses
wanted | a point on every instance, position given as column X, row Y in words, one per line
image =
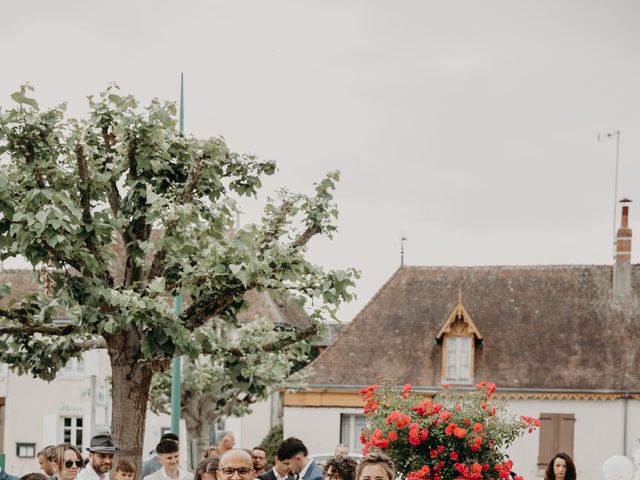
column 66, row 461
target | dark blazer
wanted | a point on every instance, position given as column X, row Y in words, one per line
column 268, row 475
column 5, row 476
column 271, row 476
column 314, row 472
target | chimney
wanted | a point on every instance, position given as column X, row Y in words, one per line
column 622, row 267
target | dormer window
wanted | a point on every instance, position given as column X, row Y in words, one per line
column 458, row 337
column 458, row 360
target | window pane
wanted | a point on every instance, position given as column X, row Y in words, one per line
column 79, row 422
column 452, row 351
column 79, row 438
column 67, row 436
column 344, row 428
column 67, row 422
column 361, row 422
column 465, row 358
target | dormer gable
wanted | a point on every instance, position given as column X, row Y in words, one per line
column 459, row 323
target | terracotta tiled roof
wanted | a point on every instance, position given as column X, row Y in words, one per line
column 543, row 327
column 264, row 305
column 23, row 282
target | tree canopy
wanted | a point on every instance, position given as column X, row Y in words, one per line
column 120, row 212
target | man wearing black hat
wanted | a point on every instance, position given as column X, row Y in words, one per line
column 101, row 452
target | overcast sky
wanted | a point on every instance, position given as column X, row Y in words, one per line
column 468, row 126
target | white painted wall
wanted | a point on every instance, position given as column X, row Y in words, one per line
column 34, row 410
column 255, row 426
column 598, row 431
column 317, row 427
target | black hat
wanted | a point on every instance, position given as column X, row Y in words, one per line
column 102, row 444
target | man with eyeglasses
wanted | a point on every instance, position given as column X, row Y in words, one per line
column 101, row 452
column 259, row 457
column 236, row 464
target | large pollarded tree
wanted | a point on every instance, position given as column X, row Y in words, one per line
column 72, row 190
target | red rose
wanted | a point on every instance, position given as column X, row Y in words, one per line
column 454, row 456
column 459, row 432
column 406, row 390
column 450, row 428
column 477, row 427
column 393, row 436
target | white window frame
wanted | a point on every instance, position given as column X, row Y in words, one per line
column 73, row 430
column 352, row 437
column 458, row 363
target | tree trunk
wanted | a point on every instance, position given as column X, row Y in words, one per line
column 130, row 392
column 198, row 421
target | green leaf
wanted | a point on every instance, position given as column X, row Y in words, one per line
column 20, row 98
column 157, row 285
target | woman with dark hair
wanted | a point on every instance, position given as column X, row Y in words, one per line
column 207, row 469
column 375, row 466
column 340, row 468
column 66, row 460
column 561, row 467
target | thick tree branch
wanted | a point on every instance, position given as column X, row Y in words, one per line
column 87, row 218
column 114, row 195
column 61, row 330
column 28, row 155
column 195, row 174
column 305, row 236
column 85, row 190
column 136, row 231
column 209, row 306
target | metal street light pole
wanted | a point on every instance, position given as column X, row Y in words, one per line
column 608, row 135
column 177, row 310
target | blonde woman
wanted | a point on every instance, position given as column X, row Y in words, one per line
column 67, row 461
column 375, row 466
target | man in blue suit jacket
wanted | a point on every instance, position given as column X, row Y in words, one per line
column 295, row 455
column 5, row 476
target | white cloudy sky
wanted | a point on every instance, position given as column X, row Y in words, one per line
column 468, row 126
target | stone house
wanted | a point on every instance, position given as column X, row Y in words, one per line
column 560, row 342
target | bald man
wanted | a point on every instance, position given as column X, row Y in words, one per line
column 236, row 464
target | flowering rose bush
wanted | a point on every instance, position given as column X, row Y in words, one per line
column 453, row 435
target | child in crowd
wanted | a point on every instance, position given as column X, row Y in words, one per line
column 124, row 470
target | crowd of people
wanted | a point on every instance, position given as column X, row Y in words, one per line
column 224, row 462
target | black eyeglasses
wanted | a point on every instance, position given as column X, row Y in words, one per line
column 69, row 463
column 242, row 471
